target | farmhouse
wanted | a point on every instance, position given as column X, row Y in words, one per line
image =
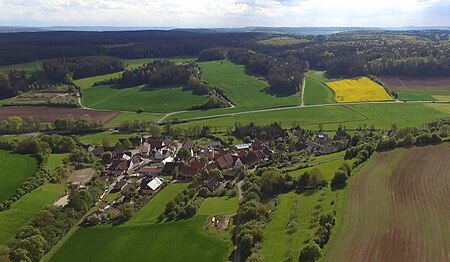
column 149, row 171
column 213, row 184
column 150, row 186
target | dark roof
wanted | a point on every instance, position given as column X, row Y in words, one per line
column 135, row 141
column 121, row 184
column 170, row 166
column 188, row 144
column 225, row 161
column 119, row 165
column 252, row 158
column 155, row 143
column 213, row 184
column 136, row 159
column 189, row 171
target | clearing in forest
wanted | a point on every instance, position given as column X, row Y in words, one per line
column 358, row 90
column 397, row 209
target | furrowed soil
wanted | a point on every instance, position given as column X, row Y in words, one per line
column 397, row 209
column 50, row 114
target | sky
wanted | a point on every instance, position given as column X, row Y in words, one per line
column 225, row 13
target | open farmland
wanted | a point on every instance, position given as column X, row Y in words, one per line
column 135, row 63
column 26, row 208
column 143, row 239
column 316, row 91
column 381, row 115
column 358, row 90
column 50, row 114
column 397, row 209
column 244, row 90
column 14, row 170
column 31, row 67
column 161, row 100
column 419, row 89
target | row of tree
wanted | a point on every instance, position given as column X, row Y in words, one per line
column 13, row 82
column 68, row 69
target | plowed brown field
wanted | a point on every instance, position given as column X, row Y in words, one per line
column 423, row 84
column 50, row 114
column 398, row 209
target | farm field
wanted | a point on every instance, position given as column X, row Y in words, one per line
column 358, row 90
column 133, row 116
column 131, row 99
column 26, row 208
column 131, row 241
column 97, row 138
column 31, row 67
column 396, row 209
column 352, row 116
column 218, row 206
column 423, row 84
column 244, row 90
column 135, row 63
column 50, row 114
column 316, row 92
column 14, row 170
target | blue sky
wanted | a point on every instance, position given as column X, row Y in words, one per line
column 225, row 13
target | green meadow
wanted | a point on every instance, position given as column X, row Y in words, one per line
column 14, row 170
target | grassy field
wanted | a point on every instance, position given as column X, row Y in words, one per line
column 420, row 96
column 244, row 90
column 396, row 209
column 133, row 116
column 141, row 239
column 135, row 63
column 150, row 213
column 26, row 208
column 14, row 170
column 283, row 41
column 174, row 241
column 218, row 206
column 55, row 160
column 352, row 116
column 97, row 138
column 358, row 90
column 316, row 92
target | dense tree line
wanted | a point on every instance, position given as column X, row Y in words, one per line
column 12, row 82
column 264, row 133
column 68, row 69
column 26, row 47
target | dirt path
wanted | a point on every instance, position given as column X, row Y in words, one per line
column 303, row 92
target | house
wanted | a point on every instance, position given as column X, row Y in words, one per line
column 194, row 167
column 150, row 186
column 300, row 145
column 149, row 171
column 392, row 133
column 215, row 144
column 119, row 186
column 252, row 158
column 145, row 149
column 313, row 146
column 321, row 138
column 188, row 144
column 135, row 141
column 213, row 184
column 225, row 162
column 243, row 146
column 341, row 135
column 229, row 174
column 117, row 167
column 136, row 162
column 163, row 153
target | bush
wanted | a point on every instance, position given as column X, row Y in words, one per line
column 310, row 253
column 140, row 110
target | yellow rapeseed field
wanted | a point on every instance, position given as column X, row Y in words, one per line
column 358, row 90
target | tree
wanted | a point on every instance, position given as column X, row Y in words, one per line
column 317, row 179
column 184, row 154
column 272, row 181
column 125, row 212
column 340, row 178
column 310, row 253
column 127, row 144
column 107, row 157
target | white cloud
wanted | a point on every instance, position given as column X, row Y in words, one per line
column 225, row 13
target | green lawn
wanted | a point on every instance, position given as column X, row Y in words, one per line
column 218, row 206
column 55, row 160
column 244, row 90
column 131, row 99
column 316, row 92
column 97, row 138
column 142, row 239
column 155, row 207
column 14, row 170
column 26, row 208
column 174, row 241
column 132, row 116
column 352, row 116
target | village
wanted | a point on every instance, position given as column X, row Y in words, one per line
column 139, row 167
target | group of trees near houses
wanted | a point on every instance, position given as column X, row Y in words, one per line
column 68, row 69
column 264, row 133
column 13, row 81
column 284, row 75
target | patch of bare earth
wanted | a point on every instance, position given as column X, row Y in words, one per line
column 398, row 209
column 50, row 114
column 422, row 84
column 83, row 176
